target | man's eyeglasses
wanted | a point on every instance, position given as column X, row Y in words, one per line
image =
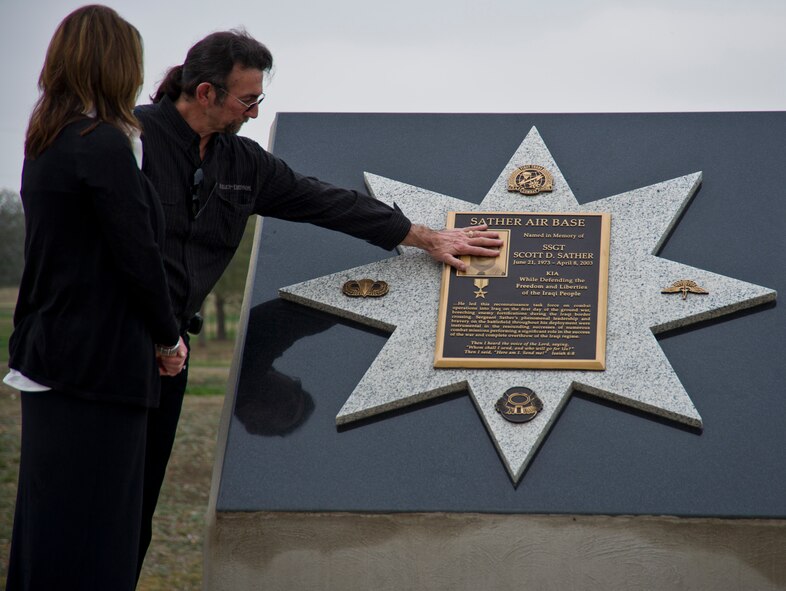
column 248, row 106
column 196, row 186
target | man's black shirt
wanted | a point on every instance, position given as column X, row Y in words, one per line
column 238, row 179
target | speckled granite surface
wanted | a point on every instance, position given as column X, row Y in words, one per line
column 637, row 373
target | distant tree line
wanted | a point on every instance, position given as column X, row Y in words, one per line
column 228, row 292
column 12, row 238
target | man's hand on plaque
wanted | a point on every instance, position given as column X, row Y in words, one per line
column 447, row 245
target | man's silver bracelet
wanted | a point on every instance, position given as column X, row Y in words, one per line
column 168, row 351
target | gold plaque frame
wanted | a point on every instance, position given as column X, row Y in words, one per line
column 566, row 255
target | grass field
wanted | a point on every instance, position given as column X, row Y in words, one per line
column 174, row 562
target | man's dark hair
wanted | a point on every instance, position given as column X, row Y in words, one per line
column 211, row 60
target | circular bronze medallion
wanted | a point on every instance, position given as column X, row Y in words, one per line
column 530, row 179
column 519, row 405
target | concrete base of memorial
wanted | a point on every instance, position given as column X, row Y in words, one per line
column 451, row 551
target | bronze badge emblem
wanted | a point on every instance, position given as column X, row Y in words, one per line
column 530, row 179
column 480, row 284
column 685, row 286
column 365, row 288
column 519, row 405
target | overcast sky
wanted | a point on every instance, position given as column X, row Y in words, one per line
column 438, row 56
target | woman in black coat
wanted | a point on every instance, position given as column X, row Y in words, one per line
column 93, row 325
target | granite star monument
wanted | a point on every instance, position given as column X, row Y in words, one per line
column 637, row 373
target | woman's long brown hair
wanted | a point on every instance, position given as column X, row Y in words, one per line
column 94, row 63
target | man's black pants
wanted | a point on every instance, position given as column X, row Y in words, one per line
column 161, row 429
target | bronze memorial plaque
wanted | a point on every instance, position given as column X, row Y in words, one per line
column 540, row 304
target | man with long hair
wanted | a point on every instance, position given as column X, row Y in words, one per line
column 211, row 180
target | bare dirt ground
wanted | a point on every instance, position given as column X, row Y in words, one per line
column 174, row 561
